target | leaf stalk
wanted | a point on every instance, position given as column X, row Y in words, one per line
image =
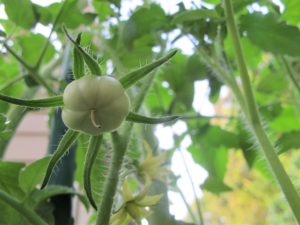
column 30, row 215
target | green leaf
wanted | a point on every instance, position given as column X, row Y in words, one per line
column 246, row 145
column 195, row 68
column 33, row 174
column 32, row 45
column 240, row 4
column 268, row 33
column 103, row 9
column 288, row 120
column 78, row 62
column 271, row 111
column 181, row 79
column 143, row 21
column 210, row 149
column 287, row 141
column 291, row 12
column 271, row 81
column 214, row 88
column 137, row 118
column 252, row 53
column 23, row 210
column 213, row 160
column 134, row 76
column 3, row 122
column 192, row 15
column 10, row 70
column 142, row 49
column 45, row 211
column 35, row 103
column 91, row 154
column 20, row 12
column 40, row 196
column 215, row 137
column 10, row 215
column 5, row 135
column 72, row 16
column 160, row 98
column 67, row 140
column 9, row 173
column 43, row 14
column 89, row 60
column 117, row 3
column 215, row 185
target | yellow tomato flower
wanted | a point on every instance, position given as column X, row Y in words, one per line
column 152, row 166
column 134, row 207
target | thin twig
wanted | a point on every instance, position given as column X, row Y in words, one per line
column 45, row 47
column 187, row 205
column 199, row 211
column 11, row 82
column 290, row 74
column 18, row 58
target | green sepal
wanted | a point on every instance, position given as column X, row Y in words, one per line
column 137, row 118
column 91, row 155
column 134, row 76
column 67, row 140
column 78, row 61
column 89, row 60
column 35, row 103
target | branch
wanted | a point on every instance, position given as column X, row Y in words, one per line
column 28, row 213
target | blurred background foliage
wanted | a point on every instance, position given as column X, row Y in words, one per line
column 123, row 35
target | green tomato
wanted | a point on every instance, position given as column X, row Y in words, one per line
column 95, row 104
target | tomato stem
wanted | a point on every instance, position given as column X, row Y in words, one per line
column 93, row 119
column 111, row 183
column 253, row 117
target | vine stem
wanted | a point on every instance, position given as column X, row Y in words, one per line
column 254, row 120
column 290, row 74
column 30, row 215
column 120, row 142
column 187, row 205
column 111, row 182
column 199, row 211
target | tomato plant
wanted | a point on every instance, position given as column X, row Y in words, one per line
column 105, row 88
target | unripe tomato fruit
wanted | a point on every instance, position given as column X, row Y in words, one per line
column 95, row 104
